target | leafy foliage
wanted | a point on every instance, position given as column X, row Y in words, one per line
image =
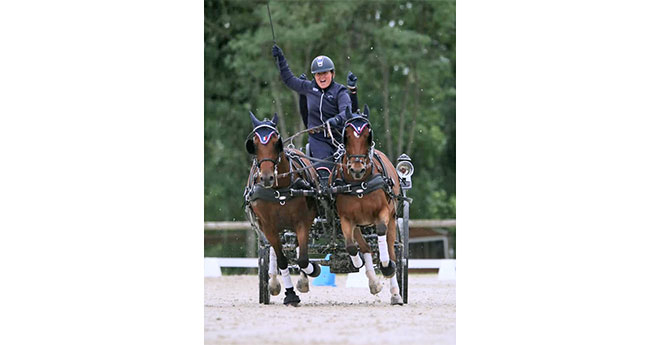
column 403, row 52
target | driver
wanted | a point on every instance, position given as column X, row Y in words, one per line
column 327, row 103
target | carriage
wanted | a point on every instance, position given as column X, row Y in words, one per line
column 325, row 234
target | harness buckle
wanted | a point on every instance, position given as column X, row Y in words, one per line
column 360, row 195
column 282, row 202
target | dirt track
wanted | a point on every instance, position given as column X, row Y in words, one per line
column 329, row 315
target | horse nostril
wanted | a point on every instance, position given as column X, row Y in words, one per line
column 362, row 171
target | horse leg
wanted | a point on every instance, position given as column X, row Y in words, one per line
column 347, row 228
column 375, row 286
column 290, row 296
column 394, row 284
column 274, row 286
column 383, row 226
column 306, row 267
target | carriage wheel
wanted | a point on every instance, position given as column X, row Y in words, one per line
column 402, row 252
column 264, row 258
column 406, row 214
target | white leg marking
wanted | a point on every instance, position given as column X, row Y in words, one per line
column 383, row 254
column 286, row 278
column 369, row 262
column 396, row 298
column 272, row 263
column 394, row 286
column 357, row 261
column 309, row 269
column 374, row 284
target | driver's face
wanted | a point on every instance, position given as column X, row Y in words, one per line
column 323, row 79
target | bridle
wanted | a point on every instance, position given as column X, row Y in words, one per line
column 359, row 124
column 264, row 138
column 359, row 158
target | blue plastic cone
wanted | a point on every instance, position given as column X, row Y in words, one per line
column 325, row 278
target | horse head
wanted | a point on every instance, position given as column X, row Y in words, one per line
column 358, row 142
column 266, row 144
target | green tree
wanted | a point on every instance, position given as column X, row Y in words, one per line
column 404, row 54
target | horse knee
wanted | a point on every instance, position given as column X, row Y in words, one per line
column 352, row 249
column 381, row 229
column 303, row 262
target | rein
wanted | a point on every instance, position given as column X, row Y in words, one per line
column 327, row 129
column 289, row 139
column 302, row 132
column 309, row 166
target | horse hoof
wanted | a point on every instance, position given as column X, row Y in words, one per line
column 291, row 298
column 388, row 272
column 274, row 287
column 274, row 290
column 303, row 285
column 375, row 287
column 317, row 270
column 396, row 300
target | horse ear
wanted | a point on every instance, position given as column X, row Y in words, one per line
column 249, row 146
column 366, row 111
column 349, row 114
column 275, row 119
column 255, row 121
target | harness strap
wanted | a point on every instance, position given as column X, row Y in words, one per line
column 276, row 195
column 374, row 182
column 301, row 186
column 304, row 168
column 359, row 189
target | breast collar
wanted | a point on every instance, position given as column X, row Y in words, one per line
column 304, row 185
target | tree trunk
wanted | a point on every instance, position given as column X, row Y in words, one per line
column 411, row 138
column 300, row 125
column 386, row 106
column 402, row 116
column 280, row 113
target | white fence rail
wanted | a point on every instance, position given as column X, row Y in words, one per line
column 446, row 267
column 252, row 262
column 414, row 223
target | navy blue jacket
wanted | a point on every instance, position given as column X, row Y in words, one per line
column 322, row 105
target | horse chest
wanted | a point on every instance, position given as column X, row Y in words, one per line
column 362, row 211
column 282, row 216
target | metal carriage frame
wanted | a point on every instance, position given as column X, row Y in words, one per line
column 326, row 237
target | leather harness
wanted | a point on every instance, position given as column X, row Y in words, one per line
column 301, row 186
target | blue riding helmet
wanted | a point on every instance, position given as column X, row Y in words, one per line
column 322, row 63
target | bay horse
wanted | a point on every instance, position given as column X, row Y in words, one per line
column 367, row 186
column 277, row 173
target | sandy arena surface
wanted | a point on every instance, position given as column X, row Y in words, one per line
column 329, row 315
